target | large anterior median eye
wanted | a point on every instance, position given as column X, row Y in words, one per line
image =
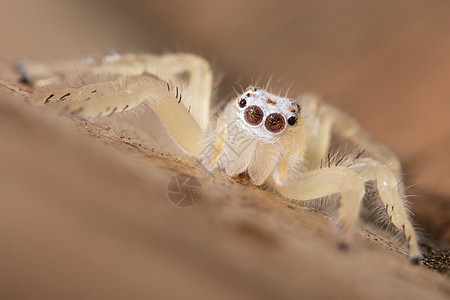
column 253, row 115
column 275, row 123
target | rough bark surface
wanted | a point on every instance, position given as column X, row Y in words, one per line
column 84, row 213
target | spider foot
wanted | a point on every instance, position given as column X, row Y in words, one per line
column 414, row 260
column 19, row 67
column 24, row 79
column 343, row 246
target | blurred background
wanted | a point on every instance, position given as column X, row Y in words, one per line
column 384, row 62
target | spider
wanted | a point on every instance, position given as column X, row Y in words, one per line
column 277, row 141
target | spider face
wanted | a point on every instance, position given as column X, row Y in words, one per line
column 265, row 114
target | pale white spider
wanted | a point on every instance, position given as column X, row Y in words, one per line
column 277, row 141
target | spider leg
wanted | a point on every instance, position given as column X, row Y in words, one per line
column 102, row 99
column 188, row 76
column 326, row 181
column 219, row 145
column 390, row 193
column 197, row 89
column 323, row 119
column 176, row 86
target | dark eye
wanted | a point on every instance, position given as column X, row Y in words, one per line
column 292, row 120
column 253, row 115
column 242, row 103
column 275, row 123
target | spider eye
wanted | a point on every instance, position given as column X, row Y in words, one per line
column 253, row 115
column 242, row 103
column 292, row 121
column 275, row 122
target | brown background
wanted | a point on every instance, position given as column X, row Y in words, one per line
column 384, row 62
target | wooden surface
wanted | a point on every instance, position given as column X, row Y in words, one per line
column 89, row 215
column 84, row 213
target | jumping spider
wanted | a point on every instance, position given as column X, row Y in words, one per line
column 277, row 141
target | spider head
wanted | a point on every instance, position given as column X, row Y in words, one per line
column 265, row 114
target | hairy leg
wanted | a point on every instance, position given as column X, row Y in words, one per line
column 219, row 145
column 188, row 75
column 197, row 88
column 391, row 195
column 103, row 99
column 323, row 118
column 326, row 181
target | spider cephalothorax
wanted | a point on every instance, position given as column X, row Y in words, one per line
column 257, row 126
column 265, row 135
column 264, row 114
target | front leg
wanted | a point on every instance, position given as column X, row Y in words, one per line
column 221, row 128
column 391, row 195
column 103, row 99
column 185, row 73
column 327, row 181
column 323, row 118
